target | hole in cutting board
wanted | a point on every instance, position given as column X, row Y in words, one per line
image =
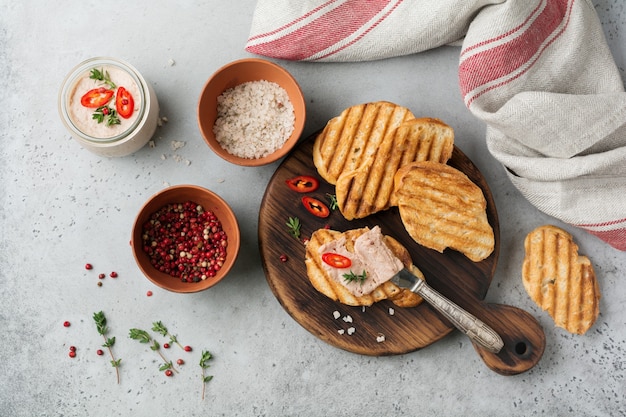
column 521, row 348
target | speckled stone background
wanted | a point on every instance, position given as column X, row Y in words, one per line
column 61, row 206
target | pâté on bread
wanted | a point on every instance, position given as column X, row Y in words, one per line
column 330, row 280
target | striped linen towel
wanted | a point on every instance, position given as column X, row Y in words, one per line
column 538, row 72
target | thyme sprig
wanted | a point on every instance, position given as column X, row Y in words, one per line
column 332, row 201
column 101, row 75
column 204, row 364
column 107, row 113
column 101, row 325
column 294, row 226
column 158, row 327
column 350, row 277
column 143, row 336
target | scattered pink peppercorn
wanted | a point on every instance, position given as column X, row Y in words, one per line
column 166, row 345
column 169, row 372
column 72, row 354
column 283, row 258
column 113, row 274
column 88, row 266
column 101, row 276
column 180, row 362
column 188, row 349
column 99, row 352
column 67, row 324
column 149, row 293
column 72, row 348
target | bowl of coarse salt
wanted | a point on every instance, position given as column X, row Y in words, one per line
column 251, row 112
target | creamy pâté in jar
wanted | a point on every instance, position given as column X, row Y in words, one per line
column 108, row 107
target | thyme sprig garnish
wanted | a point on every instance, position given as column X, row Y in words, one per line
column 158, row 327
column 143, row 336
column 101, row 75
column 107, row 113
column 101, row 325
column 332, row 201
column 204, row 364
column 351, row 277
column 294, row 226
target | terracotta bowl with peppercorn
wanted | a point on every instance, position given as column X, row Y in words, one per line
column 185, row 239
column 251, row 112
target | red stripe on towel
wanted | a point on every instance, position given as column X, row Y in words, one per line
column 615, row 237
column 323, row 32
column 524, row 49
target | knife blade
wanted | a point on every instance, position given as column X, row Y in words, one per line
column 467, row 323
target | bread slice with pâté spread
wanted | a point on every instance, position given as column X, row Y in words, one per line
column 331, row 282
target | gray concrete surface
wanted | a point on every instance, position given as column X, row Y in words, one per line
column 62, row 207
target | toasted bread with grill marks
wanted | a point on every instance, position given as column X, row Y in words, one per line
column 441, row 208
column 368, row 188
column 320, row 280
column 350, row 139
column 559, row 280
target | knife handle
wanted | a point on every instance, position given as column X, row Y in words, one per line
column 475, row 329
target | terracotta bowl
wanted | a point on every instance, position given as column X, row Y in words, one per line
column 239, row 72
column 181, row 194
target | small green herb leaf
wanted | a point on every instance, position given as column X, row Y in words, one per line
column 294, row 226
column 109, row 342
column 350, row 277
column 158, row 327
column 166, row 366
column 140, row 335
column 101, row 75
column 332, row 201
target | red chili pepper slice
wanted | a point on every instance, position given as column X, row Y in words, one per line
column 336, row 260
column 124, row 103
column 303, row 184
column 96, row 98
column 315, row 207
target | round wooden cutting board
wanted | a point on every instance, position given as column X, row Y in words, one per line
column 383, row 328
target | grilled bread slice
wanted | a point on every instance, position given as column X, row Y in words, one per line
column 441, row 208
column 560, row 280
column 323, row 283
column 350, row 139
column 367, row 189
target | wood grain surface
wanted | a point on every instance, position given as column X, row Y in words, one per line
column 404, row 329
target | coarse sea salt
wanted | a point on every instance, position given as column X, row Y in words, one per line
column 254, row 119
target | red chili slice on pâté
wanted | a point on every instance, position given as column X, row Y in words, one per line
column 96, row 97
column 303, row 184
column 124, row 103
column 336, row 260
column 315, row 207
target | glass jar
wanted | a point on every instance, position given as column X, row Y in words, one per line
column 101, row 127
